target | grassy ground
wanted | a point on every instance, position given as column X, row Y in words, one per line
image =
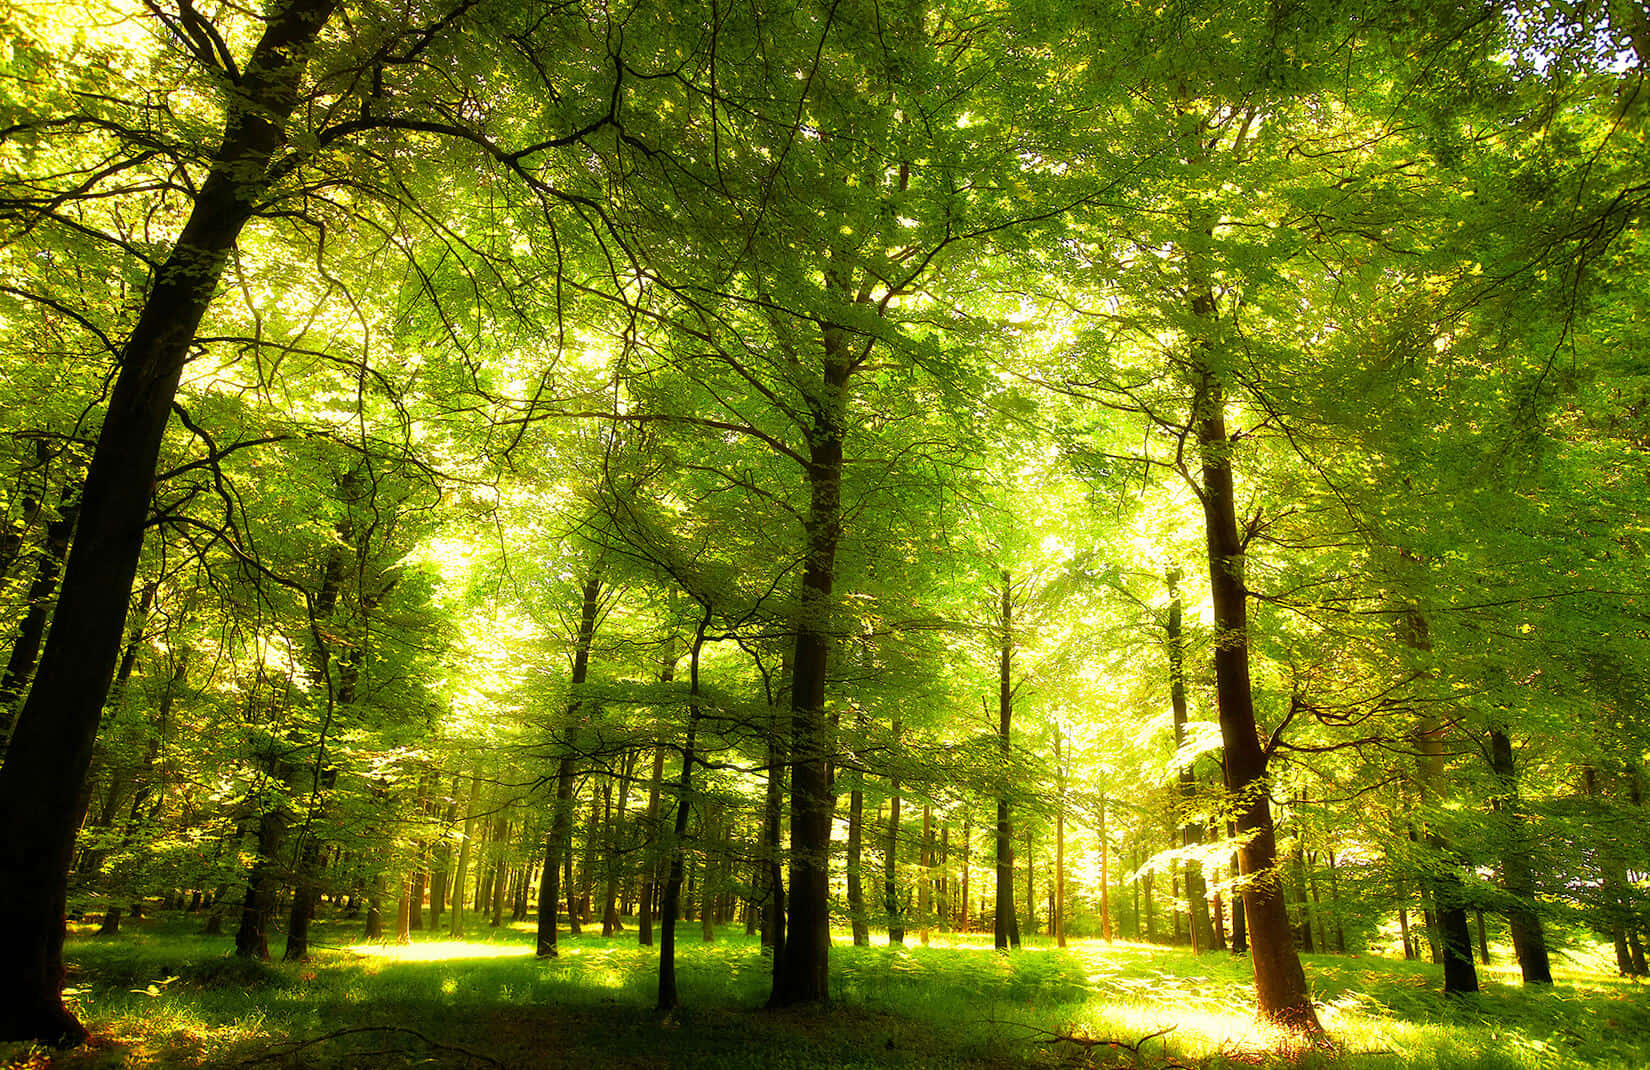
column 162, row 995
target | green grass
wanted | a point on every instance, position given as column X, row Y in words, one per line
column 163, row 995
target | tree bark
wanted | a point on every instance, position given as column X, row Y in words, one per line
column 803, row 976
column 51, row 746
column 455, row 928
column 1058, row 922
column 1280, row 983
column 890, row 868
column 1197, row 891
column 855, row 863
column 1529, row 940
column 25, row 648
column 561, row 824
column 1448, row 893
column 1003, row 921
column 650, row 861
column 925, row 866
column 670, row 904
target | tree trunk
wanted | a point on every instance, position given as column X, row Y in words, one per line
column 1529, row 940
column 890, row 866
column 1281, row 994
column 803, row 976
column 455, row 928
column 1197, row 891
column 25, row 648
column 561, row 824
column 644, row 919
column 1448, row 893
column 404, row 911
column 1003, row 922
column 251, row 939
column 1105, row 876
column 669, row 907
column 925, row 866
column 51, row 745
column 1057, row 922
column 962, row 889
column 773, row 835
column 855, row 863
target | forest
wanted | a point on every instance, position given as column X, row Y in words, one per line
column 747, row 530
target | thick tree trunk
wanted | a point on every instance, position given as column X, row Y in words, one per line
column 1280, row 983
column 803, row 975
column 251, row 939
column 51, row 746
column 1529, row 941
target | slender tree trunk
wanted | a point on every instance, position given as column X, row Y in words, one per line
column 1057, row 923
column 561, row 825
column 1105, row 876
column 51, row 745
column 443, row 863
column 455, row 928
column 962, row 889
column 669, row 907
column 855, row 864
column 644, row 919
column 1197, row 891
column 925, row 864
column 773, row 821
column 403, row 913
column 25, row 650
column 1004, row 920
column 803, row 976
column 708, row 894
column 890, row 864
column 1280, row 983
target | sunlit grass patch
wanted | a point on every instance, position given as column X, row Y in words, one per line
column 163, row 995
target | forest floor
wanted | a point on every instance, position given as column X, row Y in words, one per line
column 162, row 995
